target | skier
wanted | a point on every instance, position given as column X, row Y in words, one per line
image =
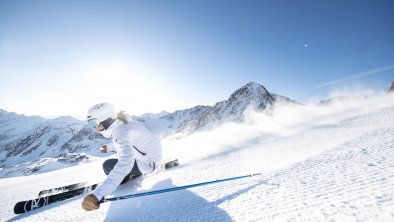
column 139, row 152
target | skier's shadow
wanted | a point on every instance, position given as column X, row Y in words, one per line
column 182, row 205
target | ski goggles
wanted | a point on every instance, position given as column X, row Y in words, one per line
column 93, row 123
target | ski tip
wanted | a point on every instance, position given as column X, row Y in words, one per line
column 171, row 164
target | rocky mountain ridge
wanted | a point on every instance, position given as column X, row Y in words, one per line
column 189, row 120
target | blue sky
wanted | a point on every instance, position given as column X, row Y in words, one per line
column 61, row 57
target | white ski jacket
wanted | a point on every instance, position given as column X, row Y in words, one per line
column 133, row 142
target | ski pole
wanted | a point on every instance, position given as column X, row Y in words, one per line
column 174, row 188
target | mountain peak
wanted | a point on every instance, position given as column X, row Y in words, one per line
column 255, row 87
column 250, row 89
column 253, row 84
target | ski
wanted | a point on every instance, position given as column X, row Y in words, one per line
column 45, row 193
column 175, row 188
column 29, row 205
column 170, row 164
column 47, row 197
column 53, row 191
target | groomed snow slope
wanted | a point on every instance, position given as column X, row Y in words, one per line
column 332, row 162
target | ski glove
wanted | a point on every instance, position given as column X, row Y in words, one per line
column 90, row 203
column 103, row 149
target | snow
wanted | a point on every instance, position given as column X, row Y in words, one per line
column 28, row 142
column 325, row 162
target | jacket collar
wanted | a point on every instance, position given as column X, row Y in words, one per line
column 108, row 133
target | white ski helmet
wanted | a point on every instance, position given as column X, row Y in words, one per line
column 100, row 112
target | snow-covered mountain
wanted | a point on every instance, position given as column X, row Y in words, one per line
column 29, row 144
column 318, row 162
column 252, row 95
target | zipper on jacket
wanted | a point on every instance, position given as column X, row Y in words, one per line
column 154, row 166
column 142, row 153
